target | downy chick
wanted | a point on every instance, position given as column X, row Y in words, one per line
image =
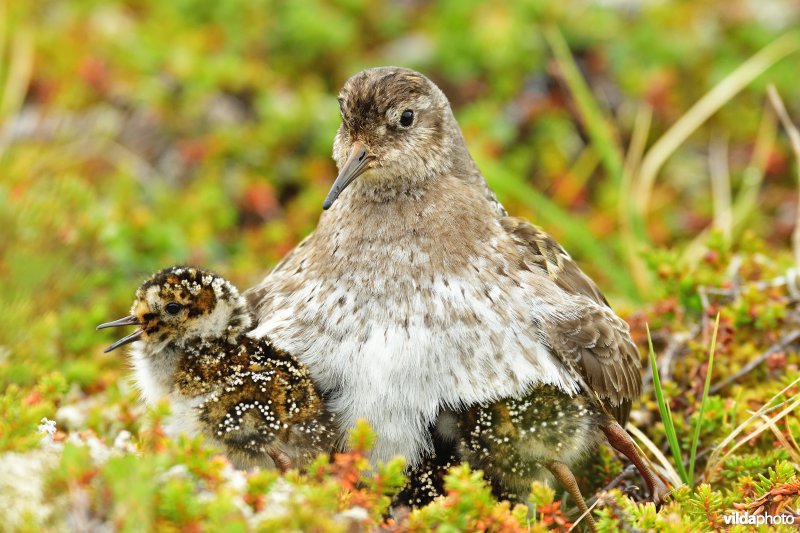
column 191, row 347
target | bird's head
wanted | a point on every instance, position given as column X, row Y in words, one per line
column 397, row 132
column 179, row 305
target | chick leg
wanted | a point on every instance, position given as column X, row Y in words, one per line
column 281, row 460
column 620, row 440
column 564, row 476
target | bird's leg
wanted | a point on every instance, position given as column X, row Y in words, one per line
column 281, row 460
column 621, row 441
column 564, row 476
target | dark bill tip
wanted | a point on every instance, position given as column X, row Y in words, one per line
column 127, row 321
column 355, row 165
column 329, row 201
column 125, row 340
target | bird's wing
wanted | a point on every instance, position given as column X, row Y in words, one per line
column 238, row 416
column 542, row 251
column 589, row 338
column 267, row 403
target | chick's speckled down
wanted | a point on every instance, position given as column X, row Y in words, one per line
column 258, row 402
column 255, row 399
column 514, row 440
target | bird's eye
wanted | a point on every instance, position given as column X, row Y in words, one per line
column 173, row 308
column 407, row 118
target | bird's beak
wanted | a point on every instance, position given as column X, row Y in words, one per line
column 127, row 321
column 355, row 165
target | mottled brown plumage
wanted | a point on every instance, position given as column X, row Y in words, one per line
column 254, row 400
column 418, row 295
column 598, row 346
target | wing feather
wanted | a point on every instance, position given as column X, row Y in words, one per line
column 591, row 340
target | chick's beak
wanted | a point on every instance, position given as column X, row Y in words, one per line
column 356, row 164
column 131, row 320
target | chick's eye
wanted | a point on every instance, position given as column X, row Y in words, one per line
column 407, row 118
column 173, row 308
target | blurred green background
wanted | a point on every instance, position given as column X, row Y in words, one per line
column 140, row 134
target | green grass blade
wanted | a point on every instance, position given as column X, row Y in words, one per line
column 597, row 125
column 666, row 414
column 604, row 142
column 794, row 141
column 699, row 426
column 709, row 104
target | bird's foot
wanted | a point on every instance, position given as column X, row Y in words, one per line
column 564, row 476
column 621, row 441
column 658, row 492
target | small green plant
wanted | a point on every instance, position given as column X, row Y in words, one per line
column 666, row 413
column 699, row 426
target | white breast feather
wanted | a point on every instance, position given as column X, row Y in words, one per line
column 398, row 377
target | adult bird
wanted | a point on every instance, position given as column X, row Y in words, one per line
column 417, row 294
